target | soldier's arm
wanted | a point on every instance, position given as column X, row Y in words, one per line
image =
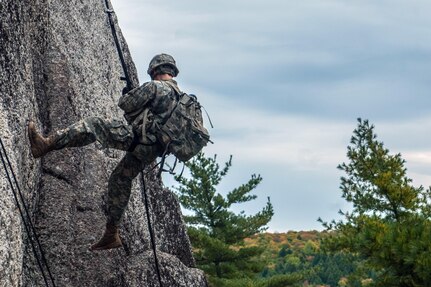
column 137, row 98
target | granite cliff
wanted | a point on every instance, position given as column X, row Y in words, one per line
column 58, row 64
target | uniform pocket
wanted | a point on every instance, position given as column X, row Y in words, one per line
column 120, row 135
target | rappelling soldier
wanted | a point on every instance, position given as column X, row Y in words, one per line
column 148, row 109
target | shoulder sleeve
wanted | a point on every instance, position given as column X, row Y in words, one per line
column 138, row 97
column 162, row 88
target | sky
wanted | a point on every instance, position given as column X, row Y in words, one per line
column 284, row 83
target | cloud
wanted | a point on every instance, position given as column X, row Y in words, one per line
column 336, row 59
column 284, row 82
column 297, row 157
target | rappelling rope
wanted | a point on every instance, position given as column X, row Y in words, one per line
column 28, row 225
column 129, row 87
column 150, row 229
column 126, row 77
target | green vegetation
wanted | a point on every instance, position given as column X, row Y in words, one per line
column 230, row 247
column 383, row 241
column 389, row 226
column 299, row 254
column 217, row 233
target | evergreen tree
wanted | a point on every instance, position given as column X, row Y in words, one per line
column 390, row 222
column 216, row 232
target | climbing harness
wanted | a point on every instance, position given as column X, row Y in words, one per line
column 26, row 218
column 129, row 86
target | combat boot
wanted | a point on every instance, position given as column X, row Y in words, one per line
column 39, row 145
column 110, row 239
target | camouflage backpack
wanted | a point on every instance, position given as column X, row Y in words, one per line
column 183, row 133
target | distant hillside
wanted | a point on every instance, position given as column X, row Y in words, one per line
column 290, row 242
column 291, row 239
column 299, row 252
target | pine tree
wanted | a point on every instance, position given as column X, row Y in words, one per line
column 216, row 232
column 390, row 224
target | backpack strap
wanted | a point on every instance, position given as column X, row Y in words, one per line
column 186, row 98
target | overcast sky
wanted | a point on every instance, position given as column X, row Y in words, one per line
column 284, row 82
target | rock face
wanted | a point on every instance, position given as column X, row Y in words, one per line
column 58, row 64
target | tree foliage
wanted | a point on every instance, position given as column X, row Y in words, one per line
column 389, row 226
column 299, row 254
column 216, row 232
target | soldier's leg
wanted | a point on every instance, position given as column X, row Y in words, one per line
column 120, row 182
column 110, row 133
column 119, row 188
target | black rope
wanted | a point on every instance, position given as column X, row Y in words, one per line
column 150, row 228
column 109, row 11
column 129, row 86
column 28, row 225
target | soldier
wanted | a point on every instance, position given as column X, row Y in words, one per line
column 145, row 107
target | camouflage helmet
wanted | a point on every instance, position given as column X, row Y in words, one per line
column 162, row 59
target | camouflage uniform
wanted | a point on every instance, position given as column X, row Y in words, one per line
column 145, row 107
